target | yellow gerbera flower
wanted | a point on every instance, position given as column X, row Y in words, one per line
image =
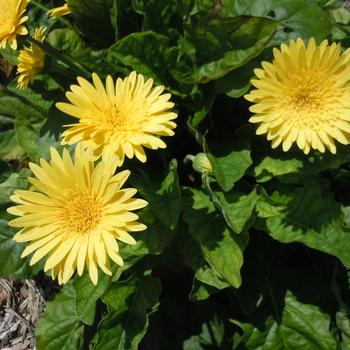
column 120, row 118
column 59, row 11
column 31, row 60
column 11, row 21
column 303, row 96
column 76, row 214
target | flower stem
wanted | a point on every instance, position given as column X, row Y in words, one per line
column 74, row 66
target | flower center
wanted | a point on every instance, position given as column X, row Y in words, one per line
column 114, row 118
column 82, row 214
column 309, row 100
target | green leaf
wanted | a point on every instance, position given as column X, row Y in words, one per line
column 87, row 295
column 65, row 39
column 207, row 275
column 129, row 304
column 230, row 161
column 11, row 264
column 296, row 164
column 270, row 167
column 211, row 336
column 343, row 323
column 9, row 148
column 200, row 291
column 14, row 181
column 60, row 327
column 341, row 15
column 302, row 326
column 150, row 54
column 10, row 55
column 164, row 196
column 27, row 137
column 222, row 249
column 303, row 17
column 33, row 95
column 19, row 107
column 238, row 208
column 220, row 45
column 312, row 217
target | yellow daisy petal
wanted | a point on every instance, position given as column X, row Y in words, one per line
column 75, row 214
column 119, row 118
column 302, row 96
column 11, row 21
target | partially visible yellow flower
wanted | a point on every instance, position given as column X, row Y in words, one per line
column 75, row 214
column 120, row 118
column 11, row 21
column 59, row 11
column 303, row 96
column 31, row 60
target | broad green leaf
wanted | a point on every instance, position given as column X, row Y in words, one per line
column 341, row 15
column 87, row 295
column 60, row 327
column 11, row 264
column 295, row 163
column 13, row 182
column 163, row 196
column 150, row 54
column 222, row 45
column 10, row 55
column 237, row 207
column 313, row 218
column 9, row 148
column 230, row 161
column 237, row 83
column 207, row 275
column 26, row 137
column 302, row 326
column 222, row 249
column 93, row 19
column 18, row 107
column 270, row 167
column 26, row 118
column 65, row 39
column 206, row 281
column 200, row 291
column 343, row 323
column 151, row 241
column 303, row 17
column 129, row 304
column 34, row 94
column 211, row 336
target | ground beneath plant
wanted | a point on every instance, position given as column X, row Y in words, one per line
column 21, row 305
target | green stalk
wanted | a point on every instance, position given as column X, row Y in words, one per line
column 74, row 66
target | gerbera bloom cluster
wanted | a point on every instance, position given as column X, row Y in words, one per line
column 75, row 213
column 77, row 210
column 302, row 97
column 12, row 22
column 31, row 60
